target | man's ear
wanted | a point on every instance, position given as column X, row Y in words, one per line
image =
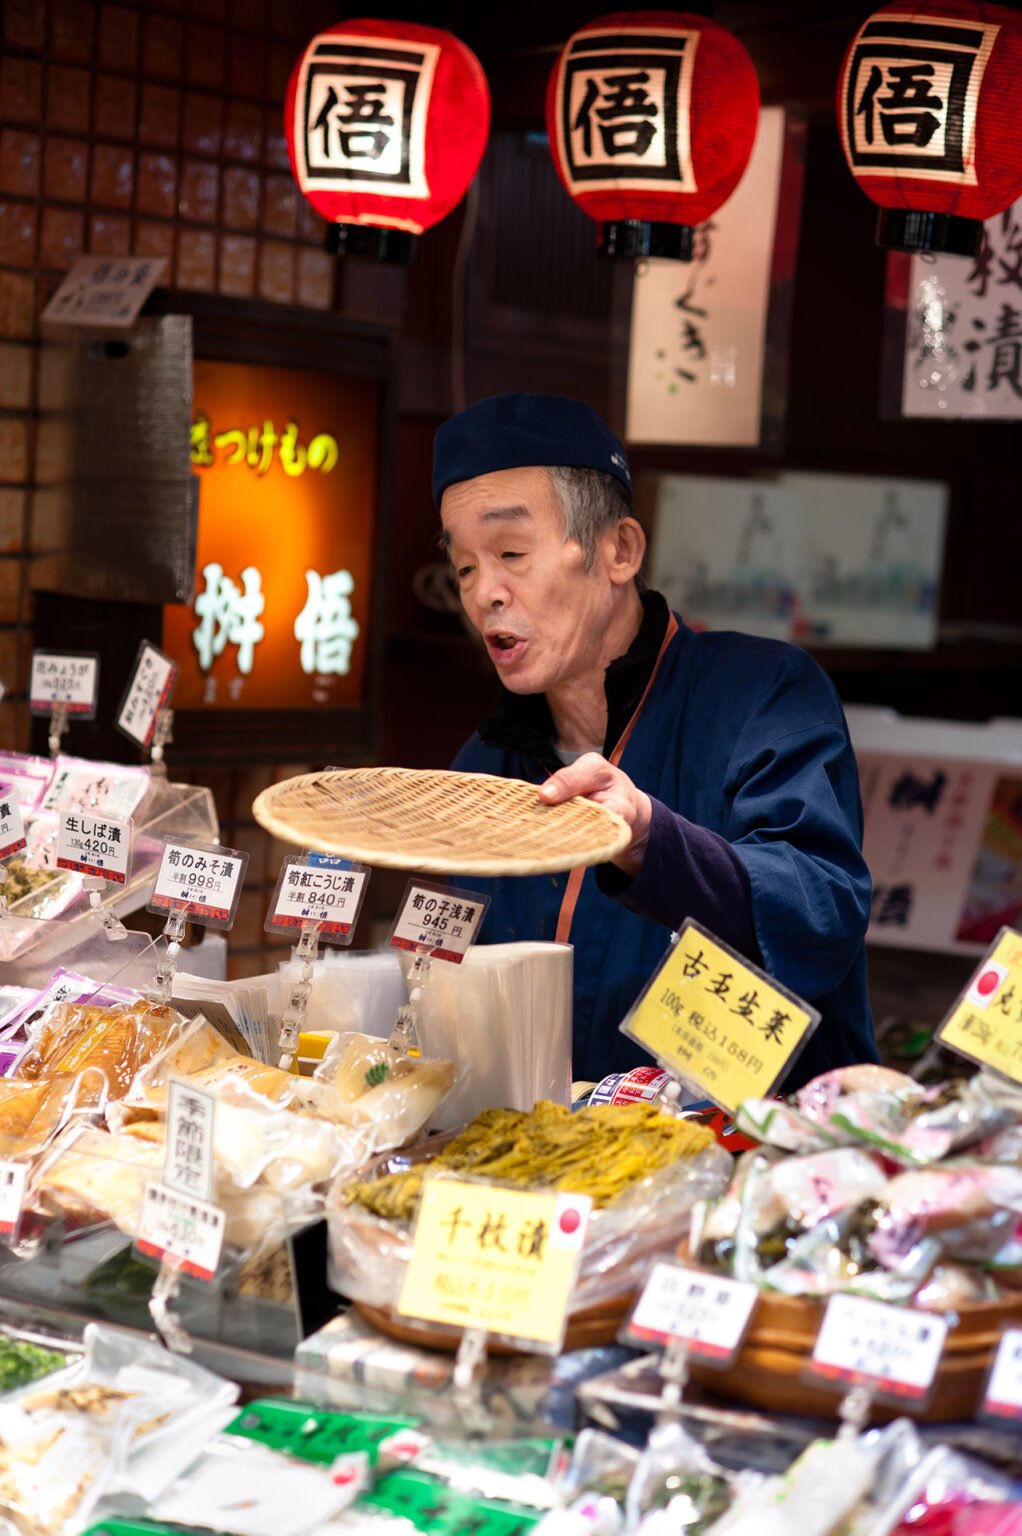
column 625, row 550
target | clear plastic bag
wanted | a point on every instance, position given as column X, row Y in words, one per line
column 113, row 1421
column 368, row 1255
column 116, row 1041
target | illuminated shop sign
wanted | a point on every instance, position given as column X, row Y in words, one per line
column 287, row 502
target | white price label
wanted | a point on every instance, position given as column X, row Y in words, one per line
column 315, row 888
column 188, row 1164
column 708, row 1314
column 1004, row 1390
column 94, row 845
column 894, row 1350
column 71, row 679
column 13, row 1177
column 12, row 827
column 182, row 1228
column 201, row 881
column 148, row 691
column 442, row 920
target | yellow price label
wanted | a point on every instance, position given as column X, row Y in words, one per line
column 501, row 1260
column 719, row 1023
column 985, row 1023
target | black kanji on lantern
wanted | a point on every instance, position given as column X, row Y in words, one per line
column 620, row 107
column 907, row 99
column 362, row 120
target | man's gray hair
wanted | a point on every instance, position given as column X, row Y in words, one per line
column 591, row 501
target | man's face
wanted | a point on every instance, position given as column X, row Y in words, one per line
column 523, row 587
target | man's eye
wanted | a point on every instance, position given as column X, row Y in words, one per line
column 463, row 571
column 511, row 554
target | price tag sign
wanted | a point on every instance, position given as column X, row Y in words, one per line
column 708, row 1314
column 148, row 691
column 894, row 1351
column 69, row 678
column 439, row 919
column 316, row 889
column 503, row 1260
column 188, row 1164
column 985, row 1023
column 94, row 845
column 719, row 1023
column 13, row 1178
column 1004, row 1389
column 200, row 880
column 180, row 1227
column 12, row 827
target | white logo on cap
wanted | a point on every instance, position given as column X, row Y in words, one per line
column 619, row 460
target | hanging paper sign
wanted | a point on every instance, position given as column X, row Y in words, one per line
column 148, row 692
column 200, row 880
column 963, row 338
column 717, row 1022
column 320, row 891
column 1004, row 1390
column 94, row 845
column 188, row 1164
column 894, row 1351
column 12, row 827
column 100, row 290
column 438, row 918
column 13, row 1177
column 71, row 680
column 985, row 1023
column 708, row 1314
column 497, row 1259
column 177, row 1226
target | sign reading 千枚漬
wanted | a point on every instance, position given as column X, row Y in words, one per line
column 360, row 114
column 963, row 337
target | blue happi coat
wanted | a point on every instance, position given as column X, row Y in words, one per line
column 757, row 831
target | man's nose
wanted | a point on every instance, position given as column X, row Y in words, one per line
column 492, row 589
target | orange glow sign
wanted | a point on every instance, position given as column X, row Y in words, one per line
column 287, row 467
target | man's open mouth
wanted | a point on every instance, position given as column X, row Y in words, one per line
column 504, row 646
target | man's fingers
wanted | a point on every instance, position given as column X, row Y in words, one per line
column 579, row 778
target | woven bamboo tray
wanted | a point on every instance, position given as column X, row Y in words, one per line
column 771, row 1368
column 440, row 821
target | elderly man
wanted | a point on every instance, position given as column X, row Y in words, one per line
column 727, row 755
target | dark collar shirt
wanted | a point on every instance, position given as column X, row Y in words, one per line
column 741, row 744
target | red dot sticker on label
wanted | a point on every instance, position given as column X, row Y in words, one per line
column 987, row 984
column 570, row 1222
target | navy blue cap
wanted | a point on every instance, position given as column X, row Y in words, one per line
column 517, row 431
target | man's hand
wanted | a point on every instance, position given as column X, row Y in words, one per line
column 596, row 779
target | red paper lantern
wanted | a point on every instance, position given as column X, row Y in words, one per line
column 652, row 116
column 386, row 124
column 929, row 103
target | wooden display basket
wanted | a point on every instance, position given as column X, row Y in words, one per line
column 771, row 1370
